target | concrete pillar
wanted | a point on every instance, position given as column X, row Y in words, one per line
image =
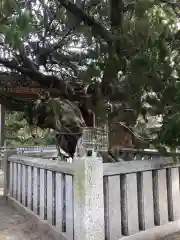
column 88, row 199
column 88, row 188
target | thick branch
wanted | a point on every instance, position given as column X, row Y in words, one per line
column 44, row 80
column 13, row 80
column 14, row 66
column 116, row 15
column 27, row 62
column 12, row 104
column 97, row 28
column 75, row 57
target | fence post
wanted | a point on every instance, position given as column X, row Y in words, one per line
column 1, row 156
column 5, row 169
column 88, row 198
column 7, row 154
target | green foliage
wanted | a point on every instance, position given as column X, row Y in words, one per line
column 170, row 135
column 139, row 69
column 17, row 132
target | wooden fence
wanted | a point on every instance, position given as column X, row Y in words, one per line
column 91, row 200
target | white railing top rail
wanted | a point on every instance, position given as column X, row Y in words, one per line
column 29, row 147
column 138, row 166
column 145, row 151
column 110, row 169
column 61, row 167
column 152, row 152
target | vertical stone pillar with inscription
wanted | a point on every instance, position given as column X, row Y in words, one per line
column 88, row 189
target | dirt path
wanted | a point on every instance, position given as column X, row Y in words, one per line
column 175, row 236
column 14, row 226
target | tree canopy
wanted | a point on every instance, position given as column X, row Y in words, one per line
column 125, row 53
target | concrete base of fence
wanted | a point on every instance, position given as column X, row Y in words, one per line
column 156, row 233
column 38, row 224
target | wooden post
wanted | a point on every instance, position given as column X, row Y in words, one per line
column 88, row 199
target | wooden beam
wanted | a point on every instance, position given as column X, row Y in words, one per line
column 24, row 90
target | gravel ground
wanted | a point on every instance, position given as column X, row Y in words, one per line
column 14, row 226
column 175, row 236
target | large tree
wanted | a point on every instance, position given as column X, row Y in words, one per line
column 127, row 52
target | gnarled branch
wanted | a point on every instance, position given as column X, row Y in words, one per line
column 97, row 28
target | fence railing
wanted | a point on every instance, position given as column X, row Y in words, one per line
column 125, row 154
column 91, row 200
column 129, row 154
column 140, row 195
column 44, row 188
column 48, row 151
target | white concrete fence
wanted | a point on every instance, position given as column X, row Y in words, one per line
column 89, row 200
column 126, row 154
column 48, row 151
column 130, row 154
